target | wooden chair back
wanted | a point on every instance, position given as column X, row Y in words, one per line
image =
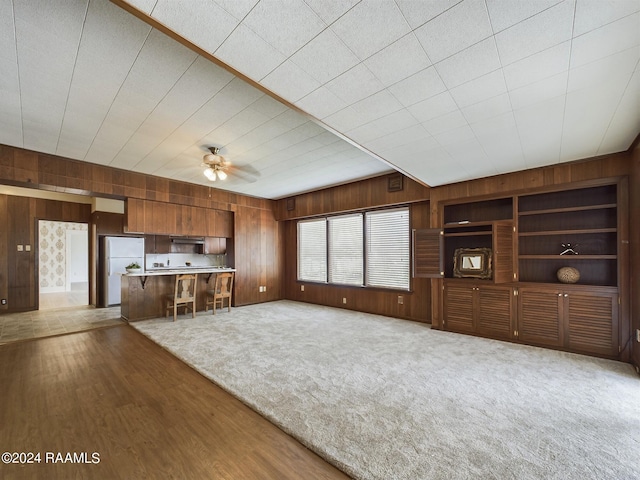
column 184, row 295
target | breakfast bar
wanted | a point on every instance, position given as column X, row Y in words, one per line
column 142, row 295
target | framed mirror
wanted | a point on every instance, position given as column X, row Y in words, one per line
column 472, row 263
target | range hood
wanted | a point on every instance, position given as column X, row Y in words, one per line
column 188, row 240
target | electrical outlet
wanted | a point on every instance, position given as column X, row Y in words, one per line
column 264, row 288
column 344, row 299
column 302, row 288
column 638, row 335
column 3, row 301
column 400, row 300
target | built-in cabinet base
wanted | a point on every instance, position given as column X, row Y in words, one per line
column 575, row 318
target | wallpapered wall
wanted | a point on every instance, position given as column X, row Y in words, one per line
column 53, row 254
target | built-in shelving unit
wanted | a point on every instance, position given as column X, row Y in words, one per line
column 585, row 218
column 532, row 236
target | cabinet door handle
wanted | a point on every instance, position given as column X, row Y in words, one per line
column 566, row 295
column 559, row 294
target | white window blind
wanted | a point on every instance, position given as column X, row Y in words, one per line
column 388, row 248
column 312, row 250
column 346, row 250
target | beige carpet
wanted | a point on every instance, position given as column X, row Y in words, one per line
column 383, row 398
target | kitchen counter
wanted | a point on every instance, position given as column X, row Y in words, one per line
column 178, row 271
column 142, row 294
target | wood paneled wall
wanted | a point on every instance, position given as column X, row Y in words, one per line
column 257, row 251
column 634, row 215
column 364, row 194
column 31, row 169
column 20, row 215
column 370, row 193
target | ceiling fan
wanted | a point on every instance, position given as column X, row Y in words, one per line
column 215, row 164
column 218, row 167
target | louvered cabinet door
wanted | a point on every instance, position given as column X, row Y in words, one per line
column 592, row 322
column 495, row 312
column 428, row 253
column 459, row 308
column 540, row 317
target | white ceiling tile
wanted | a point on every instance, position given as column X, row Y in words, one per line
column 444, row 123
column 542, row 31
column 286, row 26
column 419, row 12
column 321, row 103
column 482, row 88
column 145, row 6
column 331, row 10
column 607, row 40
column 291, row 118
column 541, row 91
column 370, row 26
column 346, row 119
column 456, row 29
column 395, row 139
column 625, row 124
column 504, row 151
column 398, row 61
column 469, row 154
column 506, row 13
column 399, row 120
column 492, row 107
column 10, row 111
column 433, row 107
column 588, row 112
column 376, row 106
column 540, row 128
column 248, row 53
column 611, row 69
column 204, row 23
column 418, row 87
column 455, row 135
column 325, row 57
column 475, row 61
column 237, row 8
column 105, row 60
column 355, row 84
column 289, row 81
column 268, row 106
column 539, row 66
column 592, row 14
column 415, row 149
column 495, row 126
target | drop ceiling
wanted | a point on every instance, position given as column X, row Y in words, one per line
column 325, row 91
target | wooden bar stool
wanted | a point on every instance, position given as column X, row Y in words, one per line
column 184, row 295
column 222, row 290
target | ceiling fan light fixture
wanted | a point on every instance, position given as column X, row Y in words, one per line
column 221, row 174
column 210, row 174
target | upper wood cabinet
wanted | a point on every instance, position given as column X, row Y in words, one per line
column 151, row 217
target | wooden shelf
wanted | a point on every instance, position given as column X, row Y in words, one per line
column 568, row 209
column 468, row 224
column 567, row 232
column 468, row 234
column 572, row 257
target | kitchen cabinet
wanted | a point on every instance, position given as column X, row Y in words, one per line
column 154, row 244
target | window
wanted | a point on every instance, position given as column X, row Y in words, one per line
column 370, row 249
column 312, row 250
column 388, row 247
column 345, row 250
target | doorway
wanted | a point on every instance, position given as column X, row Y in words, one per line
column 63, row 264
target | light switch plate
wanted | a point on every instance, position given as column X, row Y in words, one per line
column 20, row 248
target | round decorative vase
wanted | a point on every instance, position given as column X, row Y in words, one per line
column 568, row 275
column 134, row 270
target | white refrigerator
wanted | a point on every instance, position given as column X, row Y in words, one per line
column 119, row 252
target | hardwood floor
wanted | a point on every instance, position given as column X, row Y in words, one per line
column 145, row 413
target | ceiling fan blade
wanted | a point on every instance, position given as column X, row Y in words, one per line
column 246, row 173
